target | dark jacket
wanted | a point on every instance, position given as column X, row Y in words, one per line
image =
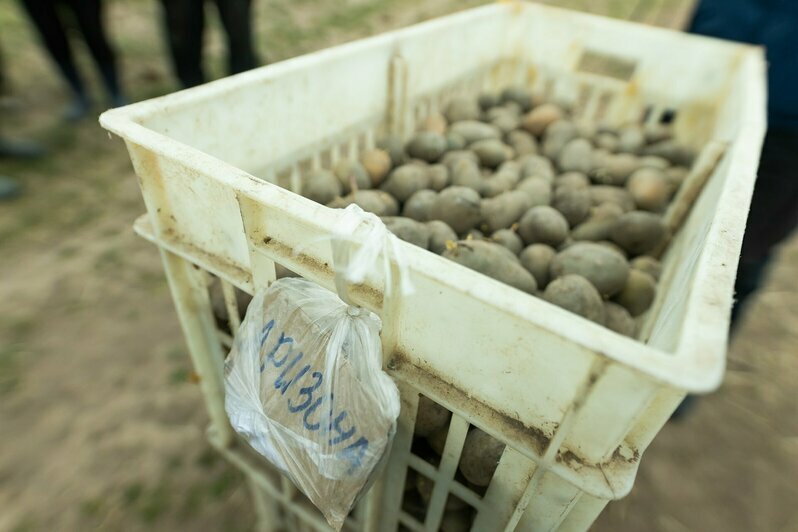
column 772, row 23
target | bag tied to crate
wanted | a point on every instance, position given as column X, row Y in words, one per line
column 304, row 383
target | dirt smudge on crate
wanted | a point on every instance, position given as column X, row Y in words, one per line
column 512, row 431
column 311, row 267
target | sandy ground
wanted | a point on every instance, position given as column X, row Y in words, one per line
column 101, row 426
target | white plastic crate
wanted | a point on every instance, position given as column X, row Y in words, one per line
column 576, row 403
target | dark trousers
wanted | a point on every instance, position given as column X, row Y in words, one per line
column 774, row 212
column 185, row 22
column 47, row 18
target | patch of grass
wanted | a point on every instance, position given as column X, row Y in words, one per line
column 109, row 259
column 9, row 368
column 67, row 252
column 27, row 524
column 223, row 483
column 179, row 375
column 174, row 463
column 193, row 501
column 132, row 494
column 154, row 503
column 207, row 458
column 176, row 352
column 92, row 507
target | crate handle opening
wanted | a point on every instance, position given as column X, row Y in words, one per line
column 605, row 64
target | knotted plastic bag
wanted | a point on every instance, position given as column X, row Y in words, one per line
column 304, row 383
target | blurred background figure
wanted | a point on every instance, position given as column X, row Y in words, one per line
column 48, row 18
column 774, row 208
column 185, row 22
column 10, row 188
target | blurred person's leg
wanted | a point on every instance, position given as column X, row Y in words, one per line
column 89, row 16
column 9, row 188
column 184, row 22
column 773, row 215
column 44, row 15
column 772, row 218
column 236, row 16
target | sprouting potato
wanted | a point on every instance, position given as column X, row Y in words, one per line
column 539, row 118
column 638, row 232
column 504, row 210
column 522, row 142
column 599, row 224
column 494, row 261
column 456, row 520
column 439, row 235
column 435, row 122
column 557, row 135
column 604, row 268
column 439, row 177
column 652, row 161
column 608, row 194
column 455, row 141
column 395, row 147
column 419, row 205
column 576, row 156
column 504, row 179
column 647, row 264
column 573, row 203
column 631, row 139
column 536, row 166
column 480, row 457
column 430, row 416
column 321, row 186
column 607, row 140
column 377, row 163
column 544, row 225
column 491, row 152
column 503, row 118
column 408, row 230
column 352, row 175
column 618, row 319
column 486, row 100
column 427, row 145
column 572, row 180
column 671, row 150
column 537, row 258
column 518, row 95
column 615, row 169
column 406, row 180
column 374, row 201
column 462, row 108
column 538, row 190
column 649, row 188
column 528, row 194
column 638, row 292
column 509, row 239
column 459, row 207
column 474, row 131
column 465, row 173
column 576, row 294
column 425, row 486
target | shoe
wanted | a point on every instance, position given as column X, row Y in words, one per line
column 77, row 109
column 118, row 100
column 9, row 189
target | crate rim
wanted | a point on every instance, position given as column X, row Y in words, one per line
column 696, row 365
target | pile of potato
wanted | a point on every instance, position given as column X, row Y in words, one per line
column 478, row 461
column 519, row 191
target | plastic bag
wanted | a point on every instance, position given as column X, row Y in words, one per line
column 304, row 385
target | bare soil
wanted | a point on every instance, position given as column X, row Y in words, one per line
column 101, row 424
